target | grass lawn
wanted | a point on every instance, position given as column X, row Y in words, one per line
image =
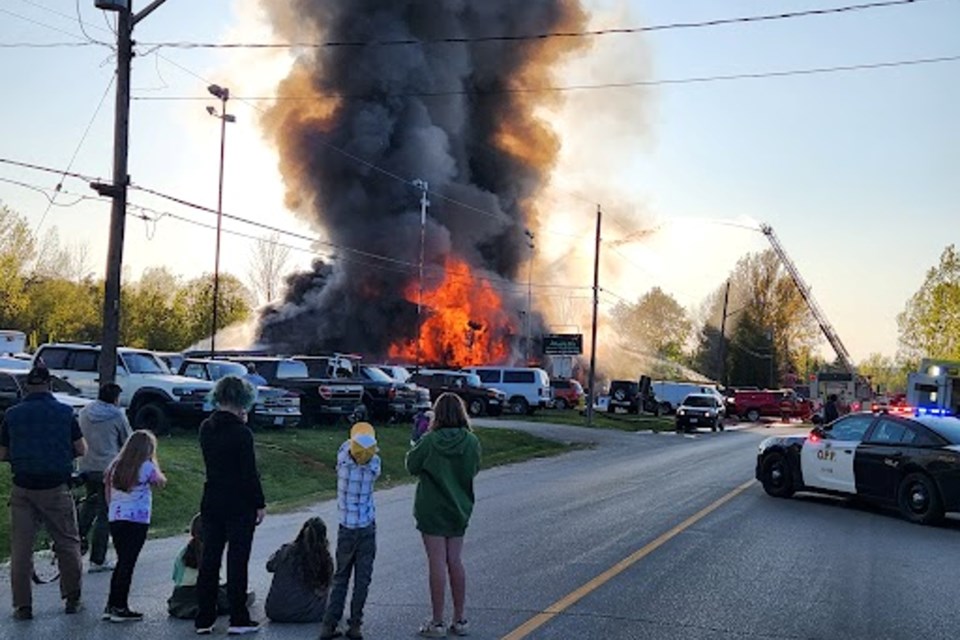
column 297, row 467
column 602, row 420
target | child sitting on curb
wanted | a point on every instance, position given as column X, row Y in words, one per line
column 301, row 576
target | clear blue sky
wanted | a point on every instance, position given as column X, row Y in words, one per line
column 857, row 172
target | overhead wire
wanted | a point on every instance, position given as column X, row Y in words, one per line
column 40, row 24
column 785, row 15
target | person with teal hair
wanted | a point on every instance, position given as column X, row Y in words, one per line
column 232, row 505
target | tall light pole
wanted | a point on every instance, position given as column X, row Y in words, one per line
column 126, row 21
column 223, row 94
column 424, row 203
column 530, row 246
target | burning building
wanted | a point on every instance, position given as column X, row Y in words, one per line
column 405, row 90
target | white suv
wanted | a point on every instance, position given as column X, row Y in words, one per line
column 526, row 389
column 154, row 398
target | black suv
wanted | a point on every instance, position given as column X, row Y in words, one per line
column 626, row 394
column 479, row 399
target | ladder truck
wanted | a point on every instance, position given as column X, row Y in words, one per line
column 846, row 384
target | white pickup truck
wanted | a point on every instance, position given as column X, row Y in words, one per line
column 154, row 399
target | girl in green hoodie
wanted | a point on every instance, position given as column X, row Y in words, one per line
column 445, row 461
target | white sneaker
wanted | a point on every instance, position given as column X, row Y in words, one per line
column 96, row 567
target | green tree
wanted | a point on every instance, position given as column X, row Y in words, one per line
column 154, row 316
column 884, row 372
column 196, row 297
column 16, row 251
column 656, row 321
column 930, row 322
column 62, row 310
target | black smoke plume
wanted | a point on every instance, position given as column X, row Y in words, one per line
column 351, row 120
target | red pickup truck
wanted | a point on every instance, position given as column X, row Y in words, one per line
column 779, row 403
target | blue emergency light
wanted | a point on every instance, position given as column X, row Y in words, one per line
column 933, row 411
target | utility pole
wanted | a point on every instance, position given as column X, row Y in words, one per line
column 424, row 204
column 593, row 334
column 223, row 94
column 723, row 336
column 126, row 21
column 530, row 246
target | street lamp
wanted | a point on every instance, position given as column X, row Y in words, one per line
column 530, row 246
column 222, row 94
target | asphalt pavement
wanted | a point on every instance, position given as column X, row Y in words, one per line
column 611, row 541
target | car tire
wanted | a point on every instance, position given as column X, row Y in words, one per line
column 776, row 476
column 475, row 407
column 753, row 415
column 620, row 395
column 153, row 417
column 919, row 499
column 519, row 406
column 561, row 404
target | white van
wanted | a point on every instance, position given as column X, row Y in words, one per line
column 671, row 394
column 527, row 389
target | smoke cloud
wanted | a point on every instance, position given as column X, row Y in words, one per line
column 352, row 127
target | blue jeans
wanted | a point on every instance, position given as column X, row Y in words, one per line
column 356, row 549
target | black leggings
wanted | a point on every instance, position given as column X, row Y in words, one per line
column 128, row 539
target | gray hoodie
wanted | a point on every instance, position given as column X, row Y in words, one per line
column 105, row 429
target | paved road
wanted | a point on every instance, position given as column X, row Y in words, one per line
column 754, row 567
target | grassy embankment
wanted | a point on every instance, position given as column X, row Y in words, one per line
column 601, row 420
column 296, row 467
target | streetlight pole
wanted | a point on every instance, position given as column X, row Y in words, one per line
column 223, row 94
column 126, row 21
column 530, row 245
column 424, row 203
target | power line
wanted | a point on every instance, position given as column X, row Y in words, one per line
column 537, row 36
column 45, row 45
column 40, row 24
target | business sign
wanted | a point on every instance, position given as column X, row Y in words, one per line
column 563, row 344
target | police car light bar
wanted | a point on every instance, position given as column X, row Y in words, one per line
column 933, row 411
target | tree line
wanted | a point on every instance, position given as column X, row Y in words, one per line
column 771, row 337
column 47, row 290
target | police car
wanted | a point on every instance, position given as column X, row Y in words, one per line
column 911, row 462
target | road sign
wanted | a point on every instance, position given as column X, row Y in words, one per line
column 563, row 344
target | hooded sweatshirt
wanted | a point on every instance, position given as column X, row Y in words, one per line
column 105, row 428
column 445, row 462
column 233, row 482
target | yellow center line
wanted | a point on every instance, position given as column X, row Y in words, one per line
column 578, row 594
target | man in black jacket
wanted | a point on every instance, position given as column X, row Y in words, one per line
column 232, row 505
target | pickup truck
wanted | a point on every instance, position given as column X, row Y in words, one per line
column 321, row 399
column 781, row 403
column 383, row 397
column 274, row 408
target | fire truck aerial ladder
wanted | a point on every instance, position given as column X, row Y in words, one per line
column 831, row 334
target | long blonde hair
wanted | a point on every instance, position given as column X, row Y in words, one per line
column 139, row 447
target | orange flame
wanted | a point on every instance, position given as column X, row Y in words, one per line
column 465, row 322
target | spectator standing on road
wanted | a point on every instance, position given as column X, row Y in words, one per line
column 231, row 507
column 358, row 467
column 182, row 603
column 105, row 428
column 445, row 461
column 302, row 571
column 253, row 377
column 40, row 437
column 128, row 482
column 830, row 409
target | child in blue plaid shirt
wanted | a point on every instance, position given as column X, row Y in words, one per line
column 358, row 467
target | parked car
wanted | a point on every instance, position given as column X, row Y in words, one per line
column 154, row 398
column 527, row 389
column 172, row 359
column 13, row 384
column 274, row 407
column 566, row 393
column 626, row 395
column 780, row 403
column 480, row 400
column 670, row 394
column 385, row 398
column 700, row 409
column 321, row 399
column 398, row 372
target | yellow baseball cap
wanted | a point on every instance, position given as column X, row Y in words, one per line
column 363, row 442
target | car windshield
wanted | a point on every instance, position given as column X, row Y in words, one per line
column 948, row 427
column 141, row 362
column 58, row 385
column 473, row 380
column 699, row 401
column 375, row 374
column 222, row 369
